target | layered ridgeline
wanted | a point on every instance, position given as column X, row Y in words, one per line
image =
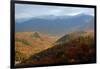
column 56, row 25
column 76, row 47
column 63, row 44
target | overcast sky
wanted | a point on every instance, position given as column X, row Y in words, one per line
column 28, row 11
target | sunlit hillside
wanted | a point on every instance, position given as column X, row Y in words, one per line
column 29, row 43
column 73, row 48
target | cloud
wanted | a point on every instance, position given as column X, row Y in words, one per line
column 28, row 11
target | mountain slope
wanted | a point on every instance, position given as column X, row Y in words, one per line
column 29, row 43
column 80, row 49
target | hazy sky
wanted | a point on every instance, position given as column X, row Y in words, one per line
column 27, row 11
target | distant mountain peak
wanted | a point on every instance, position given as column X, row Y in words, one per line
column 81, row 14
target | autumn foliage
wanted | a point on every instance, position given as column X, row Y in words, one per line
column 76, row 50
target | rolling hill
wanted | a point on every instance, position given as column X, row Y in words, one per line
column 73, row 48
column 29, row 43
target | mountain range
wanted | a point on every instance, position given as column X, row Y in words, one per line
column 55, row 25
